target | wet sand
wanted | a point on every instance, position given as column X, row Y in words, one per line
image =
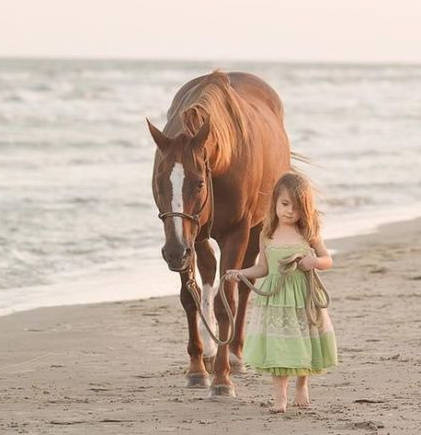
column 118, row 368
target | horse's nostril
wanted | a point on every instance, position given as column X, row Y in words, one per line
column 176, row 256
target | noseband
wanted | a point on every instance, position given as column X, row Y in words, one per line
column 196, row 217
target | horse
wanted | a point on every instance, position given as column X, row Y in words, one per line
column 217, row 159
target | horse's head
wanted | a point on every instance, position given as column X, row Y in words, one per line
column 182, row 190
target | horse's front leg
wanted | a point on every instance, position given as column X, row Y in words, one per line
column 197, row 376
column 233, row 248
column 206, row 262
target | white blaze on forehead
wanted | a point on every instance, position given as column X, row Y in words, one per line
column 177, row 180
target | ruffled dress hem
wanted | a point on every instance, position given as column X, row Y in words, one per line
column 289, row 371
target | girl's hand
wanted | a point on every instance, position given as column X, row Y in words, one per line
column 233, row 275
column 308, row 263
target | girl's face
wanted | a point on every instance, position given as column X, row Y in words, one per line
column 285, row 209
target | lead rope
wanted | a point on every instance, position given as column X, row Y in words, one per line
column 192, row 288
column 317, row 295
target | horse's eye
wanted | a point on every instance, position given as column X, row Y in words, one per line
column 200, row 184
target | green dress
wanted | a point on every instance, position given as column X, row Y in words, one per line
column 279, row 338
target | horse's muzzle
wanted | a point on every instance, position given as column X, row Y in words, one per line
column 178, row 259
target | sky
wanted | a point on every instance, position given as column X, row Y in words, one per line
column 273, row 30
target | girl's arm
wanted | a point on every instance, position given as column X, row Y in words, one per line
column 259, row 270
column 322, row 261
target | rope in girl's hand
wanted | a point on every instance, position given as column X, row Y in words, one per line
column 317, row 296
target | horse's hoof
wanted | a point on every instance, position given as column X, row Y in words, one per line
column 236, row 365
column 222, row 390
column 209, row 362
column 197, row 380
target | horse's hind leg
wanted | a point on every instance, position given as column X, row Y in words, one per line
column 206, row 263
column 236, row 347
column 197, row 376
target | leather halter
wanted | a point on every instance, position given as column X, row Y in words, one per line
column 196, row 217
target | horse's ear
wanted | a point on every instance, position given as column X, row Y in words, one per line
column 201, row 136
column 160, row 139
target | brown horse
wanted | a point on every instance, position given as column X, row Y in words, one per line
column 218, row 157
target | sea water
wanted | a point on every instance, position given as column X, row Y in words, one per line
column 77, row 219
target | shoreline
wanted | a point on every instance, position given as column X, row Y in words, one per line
column 101, row 289
column 118, row 367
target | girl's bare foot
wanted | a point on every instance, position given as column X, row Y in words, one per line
column 302, row 399
column 280, row 405
column 280, row 394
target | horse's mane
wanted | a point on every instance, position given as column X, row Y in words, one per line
column 216, row 99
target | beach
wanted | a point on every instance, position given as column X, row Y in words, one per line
column 119, row 367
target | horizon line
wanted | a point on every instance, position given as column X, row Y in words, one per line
column 209, row 60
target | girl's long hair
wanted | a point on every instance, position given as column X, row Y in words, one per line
column 302, row 196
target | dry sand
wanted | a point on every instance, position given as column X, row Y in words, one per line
column 118, row 368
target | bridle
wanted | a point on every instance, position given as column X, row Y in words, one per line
column 196, row 217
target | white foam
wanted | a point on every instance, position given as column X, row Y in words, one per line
column 154, row 279
column 359, row 222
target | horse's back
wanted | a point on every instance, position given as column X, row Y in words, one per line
column 248, row 85
column 245, row 84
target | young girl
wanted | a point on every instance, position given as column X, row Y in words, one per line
column 281, row 339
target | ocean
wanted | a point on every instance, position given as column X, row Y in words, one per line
column 78, row 222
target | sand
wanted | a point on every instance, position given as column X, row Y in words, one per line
column 118, row 368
